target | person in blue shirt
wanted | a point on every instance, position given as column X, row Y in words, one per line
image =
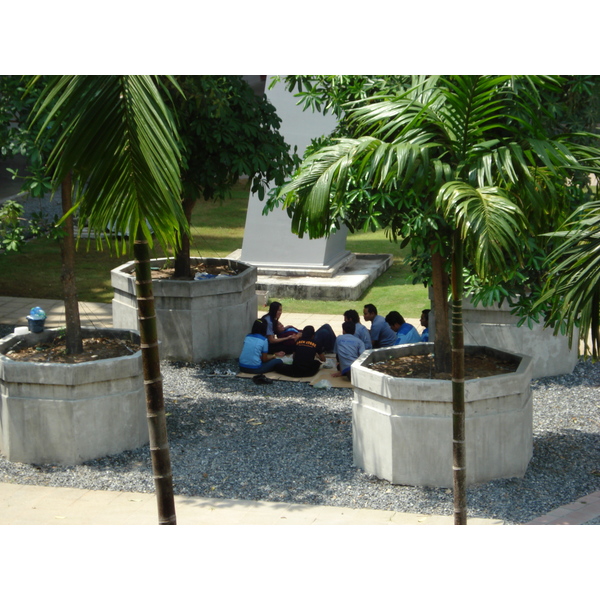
column 254, row 357
column 347, row 349
column 382, row 334
column 425, row 323
column 405, row 332
column 360, row 331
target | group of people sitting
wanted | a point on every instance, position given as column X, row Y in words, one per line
column 269, row 341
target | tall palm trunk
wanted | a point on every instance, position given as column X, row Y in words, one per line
column 458, row 387
column 157, row 424
column 442, row 347
column 74, row 342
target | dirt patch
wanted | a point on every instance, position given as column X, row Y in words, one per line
column 422, row 367
column 94, row 348
column 169, row 273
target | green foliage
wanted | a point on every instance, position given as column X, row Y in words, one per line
column 12, row 234
column 226, row 131
column 488, row 133
column 18, row 97
column 571, row 294
column 575, row 107
column 337, row 93
column 115, row 134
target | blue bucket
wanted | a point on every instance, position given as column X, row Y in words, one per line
column 35, row 325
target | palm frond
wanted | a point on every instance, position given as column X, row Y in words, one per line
column 573, row 284
column 488, row 221
column 118, row 138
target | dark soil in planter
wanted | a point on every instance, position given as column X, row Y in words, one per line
column 94, row 348
column 200, row 267
column 422, row 367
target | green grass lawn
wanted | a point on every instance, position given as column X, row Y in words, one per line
column 217, row 230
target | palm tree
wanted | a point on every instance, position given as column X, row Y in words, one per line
column 469, row 156
column 118, row 140
column 573, row 284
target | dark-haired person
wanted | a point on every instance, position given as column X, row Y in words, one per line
column 405, row 332
column 281, row 339
column 255, row 357
column 360, row 331
column 306, row 351
column 382, row 334
column 347, row 349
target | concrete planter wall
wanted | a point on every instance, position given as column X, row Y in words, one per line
column 402, row 427
column 197, row 320
column 494, row 326
column 66, row 414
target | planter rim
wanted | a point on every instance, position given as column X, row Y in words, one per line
column 525, row 363
column 128, row 268
column 7, row 342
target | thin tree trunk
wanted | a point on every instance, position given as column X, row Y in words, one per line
column 157, row 423
column 442, row 349
column 458, row 388
column 74, row 342
column 182, row 257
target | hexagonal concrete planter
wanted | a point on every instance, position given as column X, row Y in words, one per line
column 402, row 427
column 197, row 320
column 66, row 414
column 495, row 326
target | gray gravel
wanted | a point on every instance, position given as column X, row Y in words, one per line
column 288, row 442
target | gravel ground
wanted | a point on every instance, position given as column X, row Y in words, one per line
column 289, row 442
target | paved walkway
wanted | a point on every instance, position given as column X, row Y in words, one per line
column 36, row 505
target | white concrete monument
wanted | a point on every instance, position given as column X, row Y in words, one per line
column 268, row 242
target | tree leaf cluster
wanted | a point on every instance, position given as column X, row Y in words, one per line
column 227, row 131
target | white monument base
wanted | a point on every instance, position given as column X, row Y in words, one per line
column 349, row 282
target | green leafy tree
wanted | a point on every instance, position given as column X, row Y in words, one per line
column 572, row 286
column 226, row 131
column 118, row 142
column 18, row 96
column 469, row 160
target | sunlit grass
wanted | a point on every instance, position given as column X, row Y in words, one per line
column 217, row 230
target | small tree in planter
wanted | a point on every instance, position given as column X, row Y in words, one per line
column 18, row 97
column 226, row 131
column 119, row 141
column 468, row 161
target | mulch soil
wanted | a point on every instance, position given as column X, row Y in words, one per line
column 94, row 348
column 422, row 367
column 169, row 273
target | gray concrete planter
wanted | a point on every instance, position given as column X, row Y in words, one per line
column 495, row 326
column 66, row 414
column 402, row 427
column 197, row 320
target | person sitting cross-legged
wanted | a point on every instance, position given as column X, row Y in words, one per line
column 347, row 349
column 405, row 332
column 382, row 335
column 305, row 363
column 254, row 357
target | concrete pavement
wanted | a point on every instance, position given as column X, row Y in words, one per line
column 36, row 505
